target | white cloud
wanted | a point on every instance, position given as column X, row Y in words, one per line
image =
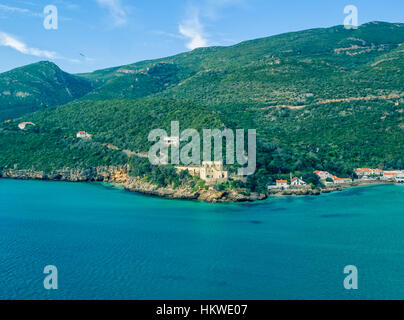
column 7, row 40
column 192, row 29
column 13, row 9
column 18, row 10
column 116, row 11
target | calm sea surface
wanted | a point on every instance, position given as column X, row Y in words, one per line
column 112, row 244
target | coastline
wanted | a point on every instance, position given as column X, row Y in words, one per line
column 327, row 189
column 118, row 177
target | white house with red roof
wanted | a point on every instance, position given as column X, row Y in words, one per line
column 377, row 172
column 323, row 174
column 337, row 180
column 282, row 184
column 390, row 175
column 83, row 135
column 367, row 172
column 297, row 182
column 399, row 178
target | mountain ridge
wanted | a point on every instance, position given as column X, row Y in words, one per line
column 35, row 86
column 136, row 80
column 320, row 99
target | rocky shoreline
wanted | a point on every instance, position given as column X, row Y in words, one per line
column 118, row 175
column 304, row 191
column 326, row 189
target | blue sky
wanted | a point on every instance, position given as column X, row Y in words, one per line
column 95, row 34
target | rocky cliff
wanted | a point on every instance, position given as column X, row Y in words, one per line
column 119, row 175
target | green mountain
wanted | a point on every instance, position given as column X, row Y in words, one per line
column 266, row 71
column 325, row 98
column 36, row 86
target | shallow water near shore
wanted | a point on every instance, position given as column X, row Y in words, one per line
column 112, row 244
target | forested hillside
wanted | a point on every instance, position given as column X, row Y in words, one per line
column 320, row 99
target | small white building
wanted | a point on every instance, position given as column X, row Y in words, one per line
column 390, row 175
column 23, row 125
column 83, row 135
column 323, row 174
column 297, row 182
column 282, row 184
column 337, row 180
column 399, row 178
column 367, row 172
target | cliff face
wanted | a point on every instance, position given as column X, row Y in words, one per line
column 107, row 174
column 119, row 175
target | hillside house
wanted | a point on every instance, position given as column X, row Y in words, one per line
column 337, row 180
column 323, row 174
column 399, row 178
column 23, row 125
column 282, row 184
column 390, row 175
column 83, row 135
column 297, row 182
column 367, row 172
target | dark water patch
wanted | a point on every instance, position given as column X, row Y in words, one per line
column 255, row 222
column 277, row 209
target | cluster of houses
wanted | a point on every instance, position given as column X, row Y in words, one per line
column 364, row 174
column 330, row 179
column 284, row 184
column 325, row 177
column 378, row 174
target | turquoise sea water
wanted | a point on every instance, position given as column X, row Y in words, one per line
column 112, row 244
